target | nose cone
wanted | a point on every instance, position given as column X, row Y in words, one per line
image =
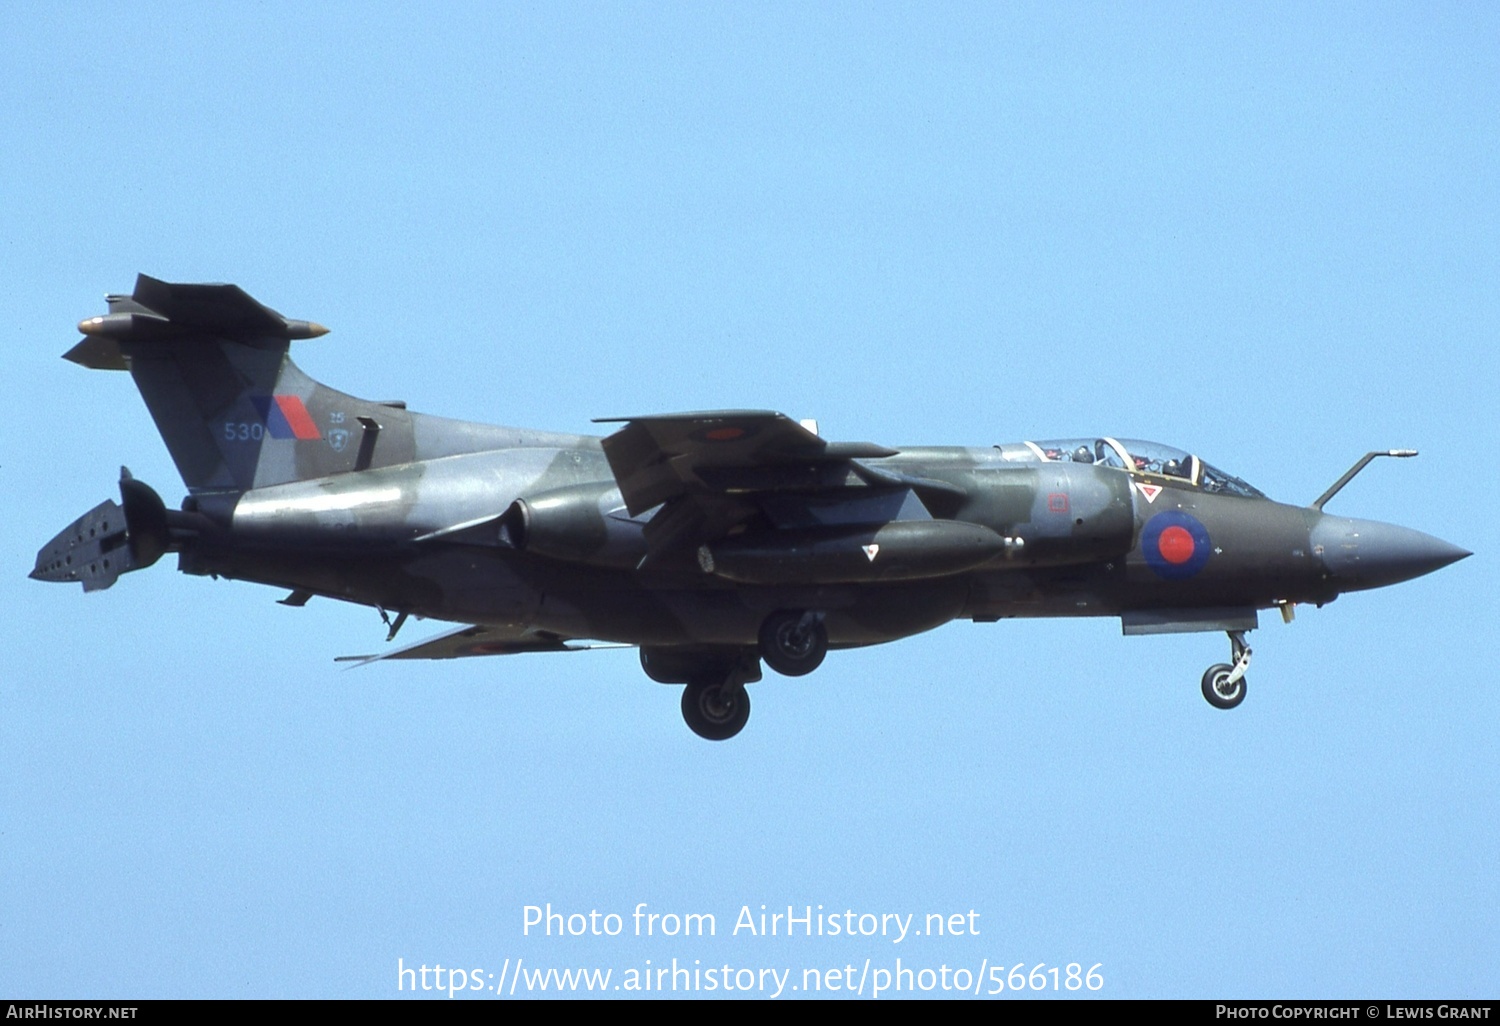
column 1361, row 554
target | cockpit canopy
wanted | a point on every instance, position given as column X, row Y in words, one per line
column 1136, row 455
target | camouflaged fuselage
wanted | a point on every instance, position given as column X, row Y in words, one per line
column 712, row 541
column 385, row 536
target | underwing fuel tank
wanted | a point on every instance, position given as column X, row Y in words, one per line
column 902, row 550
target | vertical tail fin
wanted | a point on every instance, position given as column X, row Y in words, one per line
column 236, row 413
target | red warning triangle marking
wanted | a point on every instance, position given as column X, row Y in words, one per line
column 1150, row 491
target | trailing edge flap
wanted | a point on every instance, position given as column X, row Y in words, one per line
column 480, row 640
column 658, row 458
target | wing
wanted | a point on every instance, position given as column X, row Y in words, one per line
column 717, row 473
column 480, row 641
column 658, row 458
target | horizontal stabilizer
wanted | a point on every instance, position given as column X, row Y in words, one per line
column 219, row 309
column 163, row 311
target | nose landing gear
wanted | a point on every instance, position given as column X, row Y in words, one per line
column 1224, row 685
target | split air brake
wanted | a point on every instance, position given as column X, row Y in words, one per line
column 115, row 538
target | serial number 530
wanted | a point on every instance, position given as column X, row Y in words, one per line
column 243, row 431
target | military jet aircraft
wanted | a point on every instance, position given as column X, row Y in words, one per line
column 711, row 541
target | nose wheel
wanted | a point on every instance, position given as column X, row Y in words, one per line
column 1223, row 684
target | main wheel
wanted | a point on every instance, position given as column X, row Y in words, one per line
column 1217, row 689
column 715, row 710
column 793, row 643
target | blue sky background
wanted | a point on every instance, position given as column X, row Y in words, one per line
column 1268, row 236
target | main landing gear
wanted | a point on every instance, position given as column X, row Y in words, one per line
column 715, row 704
column 793, row 642
column 716, row 707
column 1224, row 685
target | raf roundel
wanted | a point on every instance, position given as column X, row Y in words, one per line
column 1175, row 544
column 724, row 432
